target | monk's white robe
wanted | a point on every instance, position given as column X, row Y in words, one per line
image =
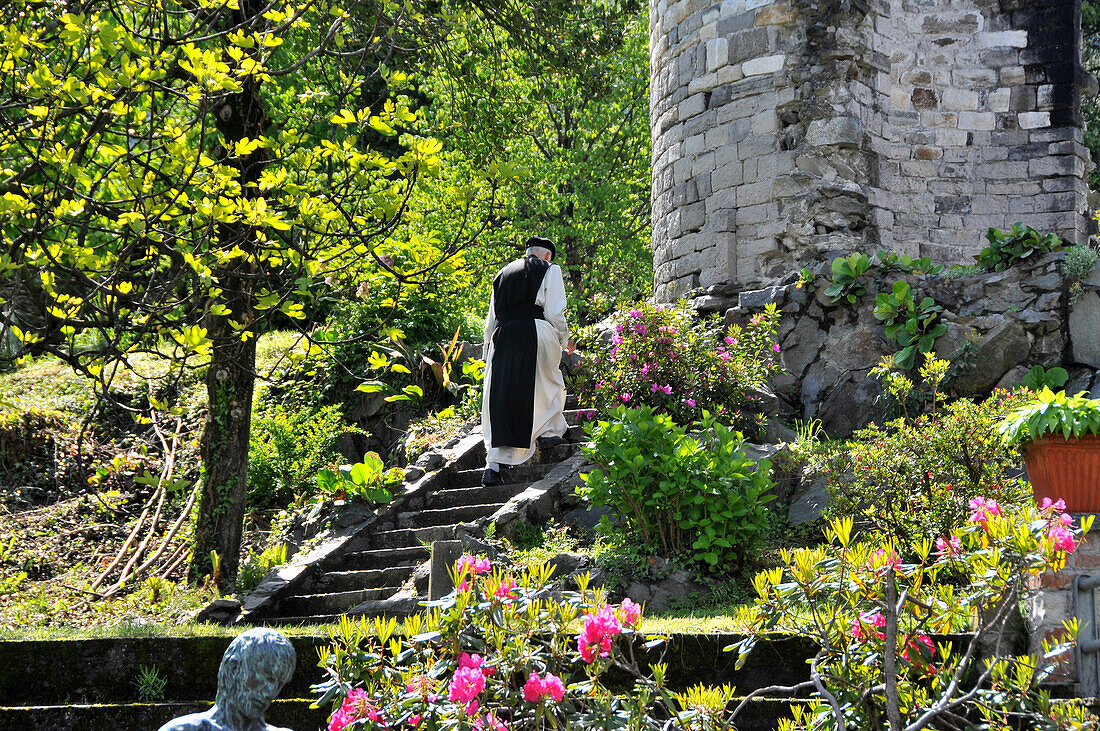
column 553, row 334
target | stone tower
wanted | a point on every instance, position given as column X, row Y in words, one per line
column 785, row 133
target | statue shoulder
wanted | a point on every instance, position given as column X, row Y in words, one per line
column 192, row 722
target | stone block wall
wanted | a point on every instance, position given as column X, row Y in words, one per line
column 999, row 326
column 785, row 133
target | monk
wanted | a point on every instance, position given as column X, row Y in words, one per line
column 525, row 331
column 255, row 667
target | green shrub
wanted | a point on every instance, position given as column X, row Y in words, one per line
column 368, row 480
column 256, row 567
column 873, row 617
column 693, row 495
column 913, row 478
column 1017, row 243
column 1079, row 262
column 1051, row 413
column 661, row 357
column 288, row 446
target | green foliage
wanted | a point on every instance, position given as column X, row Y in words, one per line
column 288, row 446
column 847, row 273
column 698, row 496
column 1016, row 244
column 556, row 98
column 888, row 260
column 871, row 616
column 661, row 357
column 912, row 478
column 368, row 480
column 1051, row 413
column 911, row 325
column 257, row 566
column 1079, row 262
column 1039, row 378
column 150, row 684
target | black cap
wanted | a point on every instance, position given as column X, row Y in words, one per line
column 544, row 243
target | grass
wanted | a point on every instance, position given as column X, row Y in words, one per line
column 127, row 631
column 47, row 384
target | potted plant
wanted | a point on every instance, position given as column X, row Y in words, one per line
column 1059, row 438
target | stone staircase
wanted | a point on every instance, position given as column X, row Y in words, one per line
column 371, row 570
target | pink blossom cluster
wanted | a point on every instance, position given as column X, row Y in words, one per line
column 948, row 547
column 469, row 681
column 923, row 645
column 356, row 705
column 506, row 589
column 475, row 565
column 630, row 612
column 875, row 619
column 598, row 633
column 983, row 510
column 666, row 390
column 1059, row 531
column 538, row 688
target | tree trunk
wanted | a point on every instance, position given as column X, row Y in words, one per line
column 232, row 374
column 224, row 452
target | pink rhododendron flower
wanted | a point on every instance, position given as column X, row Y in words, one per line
column 948, row 547
column 1062, row 539
column 922, row 644
column 983, row 510
column 538, row 688
column 690, row 402
column 640, row 329
column 466, row 660
column 506, row 589
column 645, row 368
column 635, row 313
column 775, row 347
column 653, row 388
column 414, row 719
column 632, row 612
column 619, row 328
column 616, row 340
column 356, row 705
column 475, row 565
column 466, row 684
column 730, row 340
column 596, row 637
column 625, row 397
column 873, row 619
column 667, row 390
column 1058, row 507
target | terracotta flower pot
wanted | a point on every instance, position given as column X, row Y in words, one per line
column 1066, row 469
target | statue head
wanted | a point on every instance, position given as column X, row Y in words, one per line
column 255, row 667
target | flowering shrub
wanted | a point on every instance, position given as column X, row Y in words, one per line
column 696, row 495
column 661, row 357
column 489, row 660
column 873, row 616
column 912, row 478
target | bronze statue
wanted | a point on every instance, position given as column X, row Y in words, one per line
column 255, row 667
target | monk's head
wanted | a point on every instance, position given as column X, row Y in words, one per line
column 541, row 247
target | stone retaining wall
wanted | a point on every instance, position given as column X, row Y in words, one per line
column 999, row 325
column 787, row 132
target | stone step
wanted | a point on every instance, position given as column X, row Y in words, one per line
column 519, row 474
column 411, row 537
column 450, row 516
column 315, row 605
column 339, row 581
column 475, row 495
column 571, row 401
column 382, row 558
